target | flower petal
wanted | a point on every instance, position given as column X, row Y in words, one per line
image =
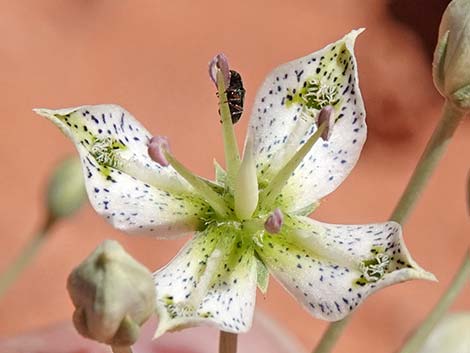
column 331, row 269
column 284, row 116
column 124, row 185
column 212, row 281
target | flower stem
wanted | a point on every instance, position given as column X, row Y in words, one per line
column 227, row 342
column 432, row 154
column 232, row 155
column 461, row 278
column 428, row 162
column 8, row 277
column 121, row 349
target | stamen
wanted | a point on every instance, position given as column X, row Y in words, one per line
column 280, row 179
column 219, row 62
column 274, row 222
column 156, row 148
column 199, row 185
column 246, row 184
column 221, row 72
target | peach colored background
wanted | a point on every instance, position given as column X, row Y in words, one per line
column 150, row 57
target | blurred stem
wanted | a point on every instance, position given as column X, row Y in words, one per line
column 422, row 333
column 432, row 154
column 121, row 349
column 8, row 277
column 435, row 148
column 227, row 342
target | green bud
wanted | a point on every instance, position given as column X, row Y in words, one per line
column 66, row 190
column 113, row 295
column 451, row 69
column 451, row 335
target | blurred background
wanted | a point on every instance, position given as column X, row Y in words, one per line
column 150, row 56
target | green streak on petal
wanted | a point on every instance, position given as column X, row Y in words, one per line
column 262, row 275
column 220, row 174
column 212, row 280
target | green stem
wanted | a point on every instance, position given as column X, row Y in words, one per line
column 227, row 342
column 432, row 154
column 8, row 277
column 232, row 155
column 422, row 333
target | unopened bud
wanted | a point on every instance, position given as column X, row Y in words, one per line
column 113, row 295
column 451, row 71
column 66, row 191
column 451, row 335
column 156, row 149
column 274, row 222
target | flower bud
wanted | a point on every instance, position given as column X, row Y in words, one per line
column 451, row 71
column 66, row 190
column 113, row 295
column 451, row 335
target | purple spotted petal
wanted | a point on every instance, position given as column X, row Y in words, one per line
column 331, row 269
column 212, row 281
column 285, row 112
column 124, row 185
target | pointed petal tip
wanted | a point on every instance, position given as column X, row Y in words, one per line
column 350, row 38
column 43, row 112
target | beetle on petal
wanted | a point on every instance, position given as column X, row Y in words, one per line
column 306, row 133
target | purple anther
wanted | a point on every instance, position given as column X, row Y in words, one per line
column 274, row 222
column 156, row 149
column 219, row 62
column 327, row 116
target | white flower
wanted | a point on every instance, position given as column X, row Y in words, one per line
column 252, row 220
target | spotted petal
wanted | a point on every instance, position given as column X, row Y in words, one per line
column 331, row 269
column 212, row 281
column 124, row 185
column 284, row 115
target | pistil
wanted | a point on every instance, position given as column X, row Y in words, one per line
column 246, row 184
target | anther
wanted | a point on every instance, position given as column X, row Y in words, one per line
column 156, row 149
column 274, row 222
column 219, row 62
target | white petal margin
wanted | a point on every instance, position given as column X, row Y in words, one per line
column 328, row 268
column 121, row 183
column 212, row 281
column 281, row 122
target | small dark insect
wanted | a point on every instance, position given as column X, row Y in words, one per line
column 235, row 96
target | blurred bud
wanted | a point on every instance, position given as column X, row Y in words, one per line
column 66, row 190
column 113, row 295
column 451, row 69
column 451, row 335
